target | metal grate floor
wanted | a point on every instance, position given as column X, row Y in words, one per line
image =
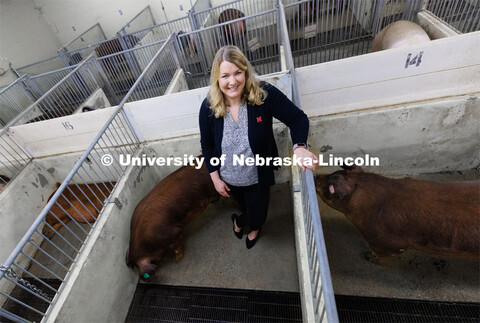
column 160, row 303
column 374, row 309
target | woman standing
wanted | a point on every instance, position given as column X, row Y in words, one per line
column 236, row 118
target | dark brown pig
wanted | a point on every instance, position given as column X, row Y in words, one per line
column 232, row 33
column 397, row 214
column 158, row 220
column 399, row 34
column 82, row 202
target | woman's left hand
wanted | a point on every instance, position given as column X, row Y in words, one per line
column 307, row 158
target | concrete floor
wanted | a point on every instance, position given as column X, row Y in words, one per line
column 214, row 257
column 412, row 274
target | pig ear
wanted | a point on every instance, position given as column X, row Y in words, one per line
column 353, row 169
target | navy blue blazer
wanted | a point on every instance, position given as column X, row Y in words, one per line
column 260, row 130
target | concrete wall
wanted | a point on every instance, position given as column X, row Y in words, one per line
column 22, row 201
column 178, row 84
column 448, row 67
column 434, row 136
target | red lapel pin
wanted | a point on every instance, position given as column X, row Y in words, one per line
column 259, row 119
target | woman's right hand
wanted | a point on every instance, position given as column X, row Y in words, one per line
column 220, row 185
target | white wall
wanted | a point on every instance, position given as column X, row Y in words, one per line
column 111, row 14
column 33, row 30
column 25, row 35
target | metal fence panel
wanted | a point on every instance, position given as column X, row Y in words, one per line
column 201, row 5
column 232, row 9
column 257, row 36
column 13, row 157
column 44, row 66
column 321, row 282
column 161, row 31
column 44, row 82
column 158, row 73
column 142, row 20
column 322, row 31
column 123, row 69
column 464, row 15
column 324, row 306
column 92, row 35
column 15, row 98
column 67, row 95
column 33, row 276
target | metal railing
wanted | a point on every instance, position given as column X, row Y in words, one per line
column 44, row 82
column 464, row 15
column 35, row 273
column 201, row 5
column 160, row 71
column 44, row 66
column 15, row 98
column 13, row 157
column 161, row 31
column 142, row 20
column 324, row 306
column 123, row 69
column 90, row 36
column 67, row 95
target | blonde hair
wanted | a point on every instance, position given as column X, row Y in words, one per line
column 252, row 91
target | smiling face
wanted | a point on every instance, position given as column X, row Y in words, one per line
column 231, row 80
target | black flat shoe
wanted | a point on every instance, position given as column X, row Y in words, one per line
column 239, row 235
column 251, row 243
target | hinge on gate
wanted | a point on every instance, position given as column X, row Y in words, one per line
column 116, row 201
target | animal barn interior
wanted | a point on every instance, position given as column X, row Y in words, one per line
column 134, row 87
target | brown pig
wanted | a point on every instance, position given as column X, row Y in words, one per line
column 232, row 33
column 158, row 220
column 399, row 34
column 397, row 214
column 83, row 202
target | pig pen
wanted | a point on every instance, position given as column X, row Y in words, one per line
column 102, row 258
column 420, row 122
column 438, row 141
column 101, row 281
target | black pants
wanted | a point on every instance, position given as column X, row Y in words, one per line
column 253, row 202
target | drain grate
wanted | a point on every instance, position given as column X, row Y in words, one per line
column 375, row 309
column 160, row 303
